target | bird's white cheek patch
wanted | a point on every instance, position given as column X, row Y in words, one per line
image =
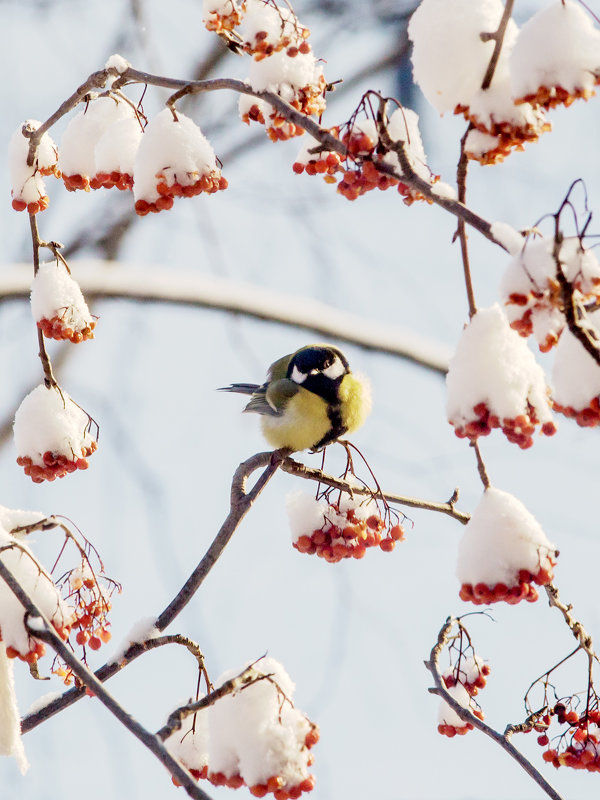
column 297, row 376
column 334, row 370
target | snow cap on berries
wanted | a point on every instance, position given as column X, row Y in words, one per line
column 449, row 57
column 49, row 425
column 446, row 714
column 576, row 378
column 557, row 55
column 501, row 539
column 403, row 126
column 78, row 145
column 174, row 155
column 493, row 366
column 11, row 743
column 257, row 734
column 37, row 583
column 28, row 187
column 189, row 744
column 116, row 150
column 267, row 28
column 531, row 291
column 57, row 304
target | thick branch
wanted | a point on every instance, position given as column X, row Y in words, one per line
column 434, row 668
column 498, row 37
column 241, row 502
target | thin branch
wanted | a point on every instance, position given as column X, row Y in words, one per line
column 481, row 466
column 461, row 232
column 40, row 627
column 184, row 88
column 434, row 668
column 302, row 471
column 579, row 632
column 498, row 38
column 176, row 717
column 102, row 279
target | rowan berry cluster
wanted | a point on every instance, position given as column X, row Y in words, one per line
column 347, row 533
column 523, row 589
column 518, row 430
column 579, row 745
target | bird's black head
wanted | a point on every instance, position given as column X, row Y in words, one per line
column 319, row 369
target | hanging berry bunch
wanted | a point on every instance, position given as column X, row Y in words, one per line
column 174, row 159
column 253, row 737
column 53, row 435
column 58, row 306
column 494, row 382
column 503, row 552
column 27, row 181
column 463, row 679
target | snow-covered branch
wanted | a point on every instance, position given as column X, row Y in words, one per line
column 105, row 279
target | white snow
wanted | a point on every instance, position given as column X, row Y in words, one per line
column 509, row 238
column 558, row 47
column 117, row 62
column 26, row 181
column 447, row 715
column 501, row 538
column 48, row 420
column 575, row 374
column 117, row 147
column 532, row 276
column 189, row 744
column 449, row 57
column 11, row 743
column 171, row 151
column 54, row 293
column 79, row 140
column 36, row 582
column 278, row 23
column 256, row 733
column 307, row 514
column 141, row 631
column 492, row 364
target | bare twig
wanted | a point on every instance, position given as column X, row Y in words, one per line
column 502, row 740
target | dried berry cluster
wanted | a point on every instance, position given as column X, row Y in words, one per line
column 346, row 535
column 518, row 430
column 482, row 594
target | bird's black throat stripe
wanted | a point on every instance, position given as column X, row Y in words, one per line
column 334, row 412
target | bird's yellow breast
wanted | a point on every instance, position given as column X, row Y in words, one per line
column 355, row 398
column 305, row 421
column 302, row 425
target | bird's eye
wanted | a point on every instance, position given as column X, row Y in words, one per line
column 297, row 375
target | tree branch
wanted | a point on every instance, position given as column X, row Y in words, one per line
column 464, row 713
column 39, row 627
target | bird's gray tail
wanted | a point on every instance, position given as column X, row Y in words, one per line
column 240, row 388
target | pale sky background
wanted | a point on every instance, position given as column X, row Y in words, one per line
column 353, row 636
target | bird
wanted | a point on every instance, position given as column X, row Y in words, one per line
column 309, row 400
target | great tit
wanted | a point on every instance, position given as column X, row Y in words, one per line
column 309, row 400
